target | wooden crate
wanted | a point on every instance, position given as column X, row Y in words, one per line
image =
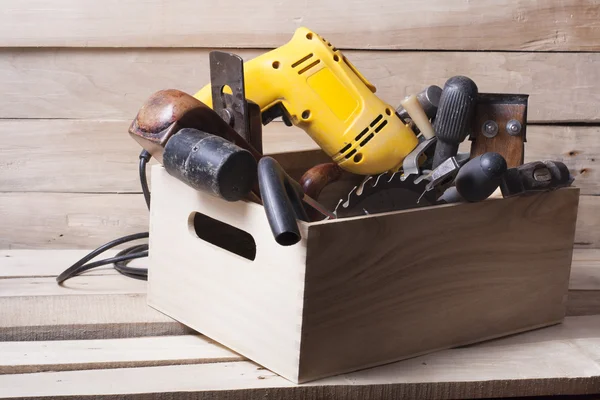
column 362, row 291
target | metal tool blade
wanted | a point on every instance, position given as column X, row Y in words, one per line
column 383, row 193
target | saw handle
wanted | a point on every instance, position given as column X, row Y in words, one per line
column 282, row 198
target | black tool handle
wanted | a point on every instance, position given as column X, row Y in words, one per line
column 480, row 177
column 210, row 163
column 453, row 117
column 451, row 195
column 282, row 199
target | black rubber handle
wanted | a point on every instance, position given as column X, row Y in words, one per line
column 479, row 177
column 451, row 195
column 282, row 199
column 210, row 163
column 453, row 119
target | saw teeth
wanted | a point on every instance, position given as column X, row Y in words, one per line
column 360, row 188
column 378, row 178
column 336, row 207
column 347, row 202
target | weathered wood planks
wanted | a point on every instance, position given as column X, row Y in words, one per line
column 561, row 359
column 565, row 25
column 99, row 156
column 67, row 355
column 113, row 83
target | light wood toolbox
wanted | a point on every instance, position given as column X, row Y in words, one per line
column 362, row 291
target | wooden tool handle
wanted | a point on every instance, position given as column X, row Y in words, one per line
column 315, row 180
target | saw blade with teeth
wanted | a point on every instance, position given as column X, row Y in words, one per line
column 383, row 193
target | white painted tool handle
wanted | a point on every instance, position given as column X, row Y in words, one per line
column 417, row 114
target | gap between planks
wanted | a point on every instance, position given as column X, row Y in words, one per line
column 67, row 355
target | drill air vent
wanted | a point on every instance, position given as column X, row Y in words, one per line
column 303, row 60
column 363, row 133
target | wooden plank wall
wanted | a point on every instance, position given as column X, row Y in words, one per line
column 73, row 75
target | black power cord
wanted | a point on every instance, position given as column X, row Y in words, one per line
column 125, row 256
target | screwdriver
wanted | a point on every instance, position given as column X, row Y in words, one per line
column 477, row 179
column 453, row 118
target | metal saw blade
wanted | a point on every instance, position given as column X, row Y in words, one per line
column 383, row 193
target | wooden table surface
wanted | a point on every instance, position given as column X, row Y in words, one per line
column 97, row 337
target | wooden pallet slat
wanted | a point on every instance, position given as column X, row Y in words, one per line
column 67, row 355
column 560, row 359
column 498, row 25
column 113, row 83
column 82, row 317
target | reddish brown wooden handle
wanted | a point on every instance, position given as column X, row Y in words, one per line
column 167, row 111
column 315, row 180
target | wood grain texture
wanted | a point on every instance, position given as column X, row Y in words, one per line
column 251, row 305
column 69, row 355
column 65, row 220
column 403, row 292
column 86, row 316
column 113, row 83
column 93, row 156
column 340, row 311
column 85, row 284
column 99, row 156
column 560, row 359
column 585, row 267
column 84, row 221
column 585, row 270
column 588, row 232
column 435, row 24
column 33, row 318
column 48, row 263
column 583, row 302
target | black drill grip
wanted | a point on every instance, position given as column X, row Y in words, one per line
column 210, row 163
column 480, row 177
column 282, row 199
column 453, row 118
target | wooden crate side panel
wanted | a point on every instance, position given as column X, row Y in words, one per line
column 252, row 306
column 384, row 288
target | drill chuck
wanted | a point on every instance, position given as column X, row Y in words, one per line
column 210, row 163
column 454, row 115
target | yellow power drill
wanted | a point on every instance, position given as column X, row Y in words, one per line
column 314, row 86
